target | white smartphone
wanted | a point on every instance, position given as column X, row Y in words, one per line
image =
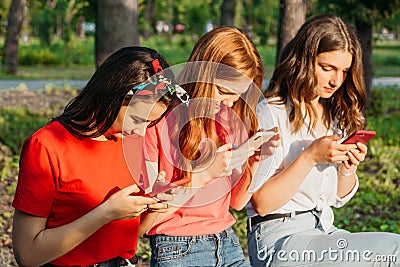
column 257, row 140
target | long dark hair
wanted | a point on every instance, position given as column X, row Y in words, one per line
column 294, row 79
column 94, row 110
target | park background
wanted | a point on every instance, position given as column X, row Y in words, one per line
column 60, row 40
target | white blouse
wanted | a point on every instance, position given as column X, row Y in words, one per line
column 319, row 187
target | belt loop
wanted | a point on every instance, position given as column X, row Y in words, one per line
column 292, row 214
column 129, row 263
column 249, row 224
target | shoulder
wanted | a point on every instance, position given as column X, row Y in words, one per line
column 50, row 135
column 53, row 129
column 271, row 105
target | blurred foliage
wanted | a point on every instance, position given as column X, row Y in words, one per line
column 38, row 57
column 386, row 57
column 176, row 48
column 367, row 11
column 34, row 54
column 384, row 102
column 16, row 124
column 57, row 19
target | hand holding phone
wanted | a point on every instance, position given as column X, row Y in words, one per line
column 257, row 139
column 168, row 187
column 362, row 136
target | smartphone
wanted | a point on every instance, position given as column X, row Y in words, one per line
column 257, row 140
column 169, row 186
column 362, row 136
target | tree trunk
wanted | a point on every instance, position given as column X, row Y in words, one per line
column 248, row 23
column 25, row 22
column 228, row 13
column 80, row 28
column 116, row 27
column 292, row 16
column 150, row 14
column 364, row 30
column 11, row 45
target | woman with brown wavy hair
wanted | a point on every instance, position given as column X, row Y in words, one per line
column 315, row 96
column 222, row 76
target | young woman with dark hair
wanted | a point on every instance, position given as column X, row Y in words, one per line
column 78, row 201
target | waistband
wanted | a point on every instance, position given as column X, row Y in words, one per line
column 252, row 221
column 160, row 237
column 115, row 262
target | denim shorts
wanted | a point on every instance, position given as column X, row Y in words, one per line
column 222, row 249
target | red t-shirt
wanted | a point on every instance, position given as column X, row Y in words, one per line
column 207, row 212
column 62, row 178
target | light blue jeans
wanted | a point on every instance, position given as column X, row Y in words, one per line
column 222, row 249
column 300, row 241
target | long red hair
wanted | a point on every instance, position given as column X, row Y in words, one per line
column 224, row 53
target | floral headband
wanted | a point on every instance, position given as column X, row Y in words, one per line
column 162, row 85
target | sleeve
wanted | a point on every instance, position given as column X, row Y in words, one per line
column 267, row 119
column 36, row 188
column 341, row 201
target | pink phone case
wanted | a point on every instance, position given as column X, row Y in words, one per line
column 362, row 136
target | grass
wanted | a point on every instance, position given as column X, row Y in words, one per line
column 52, row 72
column 386, row 58
column 77, row 60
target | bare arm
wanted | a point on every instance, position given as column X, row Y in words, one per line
column 35, row 245
column 278, row 190
column 240, row 192
column 347, row 170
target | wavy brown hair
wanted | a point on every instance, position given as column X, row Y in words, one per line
column 223, row 53
column 294, row 78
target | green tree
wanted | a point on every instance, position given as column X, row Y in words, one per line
column 55, row 17
column 264, row 14
column 147, row 17
column 42, row 21
column 66, row 11
column 197, row 18
column 393, row 23
column 364, row 14
column 4, row 9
